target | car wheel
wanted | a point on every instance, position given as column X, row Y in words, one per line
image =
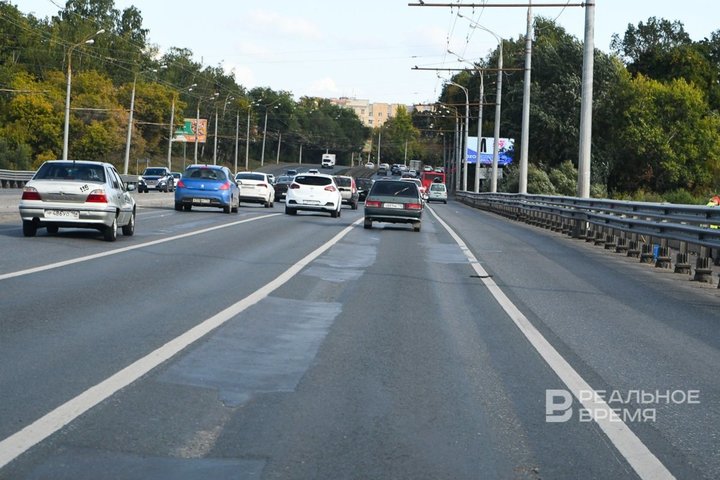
column 110, row 233
column 368, row 223
column 445, row 202
column 178, row 207
column 29, row 228
column 129, row 229
column 187, row 207
column 227, row 209
column 416, row 226
column 354, row 206
column 290, row 211
column 52, row 230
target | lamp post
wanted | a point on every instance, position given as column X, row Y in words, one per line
column 498, row 101
column 66, row 134
column 247, row 140
column 476, row 183
column 197, row 125
column 262, row 155
column 130, row 121
column 465, row 142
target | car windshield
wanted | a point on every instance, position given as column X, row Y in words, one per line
column 205, row 173
column 313, row 180
column 343, row 181
column 71, row 171
column 394, row 189
column 250, row 176
column 154, row 171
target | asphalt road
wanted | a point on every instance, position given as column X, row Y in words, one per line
column 259, row 346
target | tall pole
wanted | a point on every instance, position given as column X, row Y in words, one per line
column 379, row 141
column 479, row 130
column 465, row 139
column 525, row 128
column 129, row 130
column 262, row 155
column 300, row 159
column 237, row 138
column 215, row 143
column 277, row 160
column 586, row 104
column 247, row 143
column 172, row 133
column 498, row 101
column 197, row 131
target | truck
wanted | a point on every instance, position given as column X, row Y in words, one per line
column 328, row 160
column 415, row 165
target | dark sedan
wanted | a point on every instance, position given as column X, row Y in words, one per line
column 281, row 186
column 363, row 187
column 394, row 201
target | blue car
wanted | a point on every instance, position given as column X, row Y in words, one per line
column 207, row 186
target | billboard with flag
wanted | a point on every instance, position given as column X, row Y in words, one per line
column 506, row 151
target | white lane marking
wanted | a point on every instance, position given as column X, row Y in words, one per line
column 21, row 441
column 640, row 458
column 64, row 263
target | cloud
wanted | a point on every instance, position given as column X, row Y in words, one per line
column 292, row 26
column 324, row 87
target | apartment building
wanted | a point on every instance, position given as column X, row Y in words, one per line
column 371, row 114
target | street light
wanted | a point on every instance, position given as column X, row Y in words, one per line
column 171, row 134
column 262, row 155
column 88, row 40
column 197, row 124
column 130, row 120
column 498, row 101
column 480, row 119
column 467, row 123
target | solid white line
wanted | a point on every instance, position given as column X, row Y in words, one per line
column 640, row 458
column 94, row 256
column 18, row 443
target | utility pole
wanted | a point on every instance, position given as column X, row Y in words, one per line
column 525, row 128
column 586, row 104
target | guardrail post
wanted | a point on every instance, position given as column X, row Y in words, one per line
column 579, row 229
column 600, row 237
column 622, row 245
column 703, row 271
column 646, row 253
column 590, row 235
column 682, row 263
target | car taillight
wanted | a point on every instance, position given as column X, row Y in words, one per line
column 225, row 185
column 413, row 206
column 180, row 184
column 264, row 185
column 294, row 185
column 372, row 203
column 30, row 193
column 97, row 196
column 330, row 188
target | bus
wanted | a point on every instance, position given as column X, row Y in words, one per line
column 431, row 177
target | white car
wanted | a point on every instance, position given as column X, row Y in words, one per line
column 369, row 165
column 256, row 187
column 77, row 194
column 313, row 192
column 437, row 193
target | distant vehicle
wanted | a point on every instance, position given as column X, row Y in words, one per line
column 437, row 193
column 255, row 187
column 416, row 181
column 382, row 170
column 431, row 177
column 369, row 165
column 363, row 187
column 291, row 172
column 281, row 186
column 328, row 160
column 427, row 168
column 313, row 170
column 77, row 194
column 156, row 178
column 314, row 192
column 439, row 169
column 176, row 176
column 348, row 190
column 207, row 186
column 415, row 165
column 394, row 201
column 271, row 177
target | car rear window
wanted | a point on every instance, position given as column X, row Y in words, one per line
column 313, row 180
column 437, row 186
column 250, row 176
column 71, row 171
column 208, row 173
column 394, row 189
column 343, row 181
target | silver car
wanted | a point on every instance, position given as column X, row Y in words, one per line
column 77, row 194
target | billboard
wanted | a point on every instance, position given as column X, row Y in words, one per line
column 187, row 132
column 506, row 150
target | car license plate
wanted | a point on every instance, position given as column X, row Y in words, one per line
column 151, row 182
column 202, row 200
column 393, row 205
column 72, row 214
column 311, row 202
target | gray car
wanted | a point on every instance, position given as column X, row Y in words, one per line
column 77, row 194
column 394, row 201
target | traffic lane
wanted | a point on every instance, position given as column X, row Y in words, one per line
column 383, row 358
column 624, row 326
column 62, row 330
column 155, row 220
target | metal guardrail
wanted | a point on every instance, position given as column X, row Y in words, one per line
column 15, row 178
column 633, row 227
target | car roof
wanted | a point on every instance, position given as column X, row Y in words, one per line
column 304, row 174
column 199, row 165
column 84, row 162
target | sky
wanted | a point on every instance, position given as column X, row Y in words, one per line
column 367, row 49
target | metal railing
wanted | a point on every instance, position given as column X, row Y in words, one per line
column 632, row 227
column 15, row 178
